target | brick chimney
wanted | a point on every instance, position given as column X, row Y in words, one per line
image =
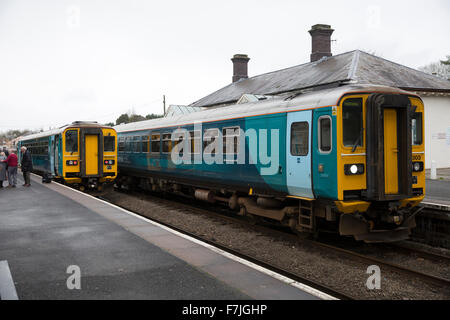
column 240, row 71
column 321, row 41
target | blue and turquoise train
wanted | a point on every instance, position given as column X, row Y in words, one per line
column 348, row 159
column 81, row 154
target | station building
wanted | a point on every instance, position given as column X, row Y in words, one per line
column 354, row 67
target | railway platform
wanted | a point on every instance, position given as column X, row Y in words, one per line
column 58, row 243
column 437, row 194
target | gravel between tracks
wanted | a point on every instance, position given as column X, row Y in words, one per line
column 323, row 266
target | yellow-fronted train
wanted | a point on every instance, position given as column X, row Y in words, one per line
column 82, row 154
column 348, row 159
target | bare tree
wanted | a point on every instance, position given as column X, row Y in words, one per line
column 440, row 69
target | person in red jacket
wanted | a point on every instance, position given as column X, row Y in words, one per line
column 12, row 161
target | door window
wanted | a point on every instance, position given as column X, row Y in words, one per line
column 325, row 134
column 299, row 138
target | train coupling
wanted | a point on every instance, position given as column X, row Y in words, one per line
column 92, row 183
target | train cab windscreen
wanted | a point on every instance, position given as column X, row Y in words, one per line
column 109, row 143
column 352, row 122
column 72, row 141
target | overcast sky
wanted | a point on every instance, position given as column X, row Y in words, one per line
column 62, row 61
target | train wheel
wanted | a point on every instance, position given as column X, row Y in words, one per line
column 99, row 188
column 82, row 188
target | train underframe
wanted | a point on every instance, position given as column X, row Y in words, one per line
column 377, row 222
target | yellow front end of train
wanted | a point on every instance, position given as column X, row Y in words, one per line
column 89, row 155
column 381, row 164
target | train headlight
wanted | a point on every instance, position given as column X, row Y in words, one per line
column 417, row 166
column 109, row 162
column 354, row 169
column 72, row 162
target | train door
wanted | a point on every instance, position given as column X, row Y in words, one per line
column 298, row 156
column 390, row 151
column 91, row 149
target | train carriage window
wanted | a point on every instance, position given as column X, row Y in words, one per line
column 109, row 143
column 128, row 144
column 209, row 136
column 72, row 141
column 325, row 134
column 167, row 142
column 176, row 141
column 45, row 147
column 121, row 144
column 299, row 138
column 144, row 143
column 352, row 122
column 231, row 136
column 416, row 128
column 156, row 143
column 196, row 143
column 135, row 144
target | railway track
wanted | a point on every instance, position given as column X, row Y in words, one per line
column 284, row 234
column 428, row 254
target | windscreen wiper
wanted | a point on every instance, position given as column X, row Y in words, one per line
column 357, row 140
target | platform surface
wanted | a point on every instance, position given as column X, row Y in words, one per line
column 438, row 191
column 45, row 229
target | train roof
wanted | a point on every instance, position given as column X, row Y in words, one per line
column 354, row 66
column 75, row 124
column 278, row 104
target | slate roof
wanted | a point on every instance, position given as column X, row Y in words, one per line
column 356, row 67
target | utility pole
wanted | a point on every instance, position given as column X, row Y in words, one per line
column 164, row 104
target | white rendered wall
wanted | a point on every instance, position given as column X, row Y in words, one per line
column 437, row 131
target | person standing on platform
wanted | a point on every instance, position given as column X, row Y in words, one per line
column 26, row 165
column 2, row 169
column 12, row 162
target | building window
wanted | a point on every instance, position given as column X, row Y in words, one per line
column 325, row 134
column 352, row 122
column 109, row 143
column 299, row 138
column 72, row 141
column 156, row 143
column 416, row 127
